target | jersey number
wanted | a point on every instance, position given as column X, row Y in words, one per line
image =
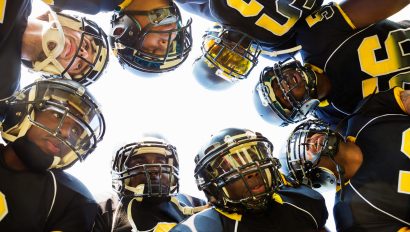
column 398, row 58
column 404, row 176
column 2, row 10
column 283, row 8
column 3, row 206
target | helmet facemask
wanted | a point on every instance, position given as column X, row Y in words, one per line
column 276, row 89
column 232, row 52
column 309, row 142
column 91, row 43
column 241, row 174
column 129, row 39
column 63, row 110
column 146, row 169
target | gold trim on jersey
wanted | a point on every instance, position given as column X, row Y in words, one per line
column 3, row 206
column 397, row 92
column 276, row 197
column 233, row 216
column 324, row 103
column 338, row 185
column 124, row 4
column 351, row 139
column 49, row 2
column 164, row 226
column 345, row 16
column 404, row 229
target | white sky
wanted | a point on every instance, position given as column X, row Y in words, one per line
column 173, row 104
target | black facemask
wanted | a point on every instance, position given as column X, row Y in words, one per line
column 31, row 155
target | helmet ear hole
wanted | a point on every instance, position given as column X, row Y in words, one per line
column 118, row 31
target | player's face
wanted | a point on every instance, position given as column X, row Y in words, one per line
column 253, row 182
column 156, row 174
column 71, row 44
column 48, row 143
column 252, row 185
column 314, row 145
column 156, row 42
column 293, row 84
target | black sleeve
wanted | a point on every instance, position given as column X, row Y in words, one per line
column 85, row 6
column 74, row 209
column 197, row 7
column 104, row 218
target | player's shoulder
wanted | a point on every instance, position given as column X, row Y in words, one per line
column 206, row 220
column 189, row 200
column 70, row 183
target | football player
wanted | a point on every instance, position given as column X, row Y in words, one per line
column 292, row 91
column 241, row 178
column 150, row 36
column 372, row 170
column 48, row 126
column 145, row 176
column 55, row 44
column 284, row 27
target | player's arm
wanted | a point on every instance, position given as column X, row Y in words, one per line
column 84, row 6
column 365, row 12
column 405, row 98
column 197, row 7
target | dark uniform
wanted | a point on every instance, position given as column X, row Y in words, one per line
column 292, row 209
column 356, row 60
column 13, row 23
column 44, row 201
column 377, row 198
column 148, row 215
column 270, row 22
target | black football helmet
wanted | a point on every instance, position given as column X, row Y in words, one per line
column 231, row 157
column 54, row 43
column 127, row 37
column 276, row 90
column 66, row 101
column 233, row 53
column 306, row 145
column 148, row 168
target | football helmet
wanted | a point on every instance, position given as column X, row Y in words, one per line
column 306, row 145
column 90, row 55
column 232, row 53
column 147, row 168
column 206, row 74
column 287, row 90
column 128, row 36
column 235, row 157
column 65, row 102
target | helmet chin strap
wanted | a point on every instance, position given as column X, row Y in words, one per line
column 52, row 35
column 139, row 189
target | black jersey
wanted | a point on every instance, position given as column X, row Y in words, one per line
column 356, row 60
column 292, row 209
column 377, row 198
column 13, row 22
column 270, row 22
column 146, row 215
column 44, row 201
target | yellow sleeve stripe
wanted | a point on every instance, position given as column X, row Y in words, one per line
column 345, row 17
column 233, row 216
column 48, row 2
column 276, row 197
column 351, row 139
column 397, row 93
column 124, row 4
column 324, row 103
